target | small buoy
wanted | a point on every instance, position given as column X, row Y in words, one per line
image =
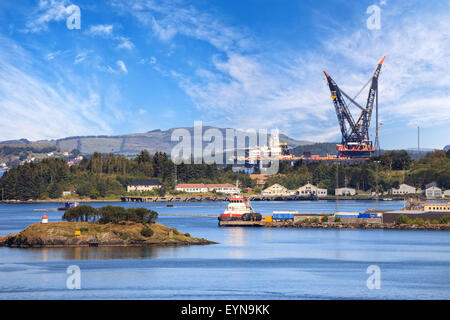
column 44, row 218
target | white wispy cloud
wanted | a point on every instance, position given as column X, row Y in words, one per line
column 118, row 69
column 107, row 31
column 80, row 57
column 125, row 43
column 169, row 18
column 53, row 55
column 151, row 60
column 122, row 66
column 104, row 30
column 46, row 12
column 34, row 108
column 163, row 32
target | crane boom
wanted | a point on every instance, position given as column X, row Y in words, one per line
column 371, row 98
column 342, row 111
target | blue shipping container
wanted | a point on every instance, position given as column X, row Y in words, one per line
column 283, row 216
column 347, row 216
column 368, row 215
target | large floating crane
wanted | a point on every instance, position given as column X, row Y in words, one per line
column 355, row 134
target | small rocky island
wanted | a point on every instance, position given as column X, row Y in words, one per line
column 111, row 226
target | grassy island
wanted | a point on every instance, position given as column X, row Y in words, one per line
column 106, row 226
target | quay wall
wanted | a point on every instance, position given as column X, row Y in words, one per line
column 389, row 217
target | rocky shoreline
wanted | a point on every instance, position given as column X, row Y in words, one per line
column 340, row 225
column 84, row 234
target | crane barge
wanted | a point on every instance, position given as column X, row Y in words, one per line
column 355, row 143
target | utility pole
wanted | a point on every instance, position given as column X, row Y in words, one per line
column 376, row 184
column 336, row 209
column 175, row 176
column 418, row 139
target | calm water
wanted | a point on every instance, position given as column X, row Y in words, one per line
column 248, row 263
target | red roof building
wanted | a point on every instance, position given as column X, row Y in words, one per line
column 201, row 187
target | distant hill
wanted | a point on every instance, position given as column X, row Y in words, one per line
column 446, row 148
column 292, row 143
column 421, row 149
column 321, row 149
column 414, row 154
column 17, row 142
column 130, row 144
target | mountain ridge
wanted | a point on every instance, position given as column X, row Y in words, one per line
column 130, row 144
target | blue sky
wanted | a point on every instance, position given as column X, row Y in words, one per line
column 136, row 66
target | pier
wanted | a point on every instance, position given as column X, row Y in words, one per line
column 173, row 199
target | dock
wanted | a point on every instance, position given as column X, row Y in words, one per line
column 173, row 199
column 242, row 223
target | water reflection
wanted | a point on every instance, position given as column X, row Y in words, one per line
column 102, row 253
column 338, row 253
column 235, row 237
column 238, row 239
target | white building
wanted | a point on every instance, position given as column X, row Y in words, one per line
column 223, row 188
column 436, row 207
column 275, row 190
column 403, row 189
column 144, row 185
column 447, row 193
column 345, row 191
column 433, row 192
column 191, row 187
column 202, row 187
column 311, row 190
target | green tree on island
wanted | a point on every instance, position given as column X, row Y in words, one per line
column 109, row 214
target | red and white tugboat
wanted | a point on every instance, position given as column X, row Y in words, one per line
column 239, row 209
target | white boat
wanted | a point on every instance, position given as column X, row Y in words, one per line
column 239, row 209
